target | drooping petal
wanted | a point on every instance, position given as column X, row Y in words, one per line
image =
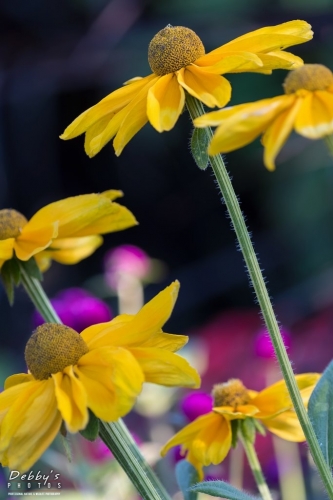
column 315, row 116
column 239, row 125
column 213, row 442
column 167, row 341
column 166, row 368
column 242, row 411
column 271, row 38
column 30, row 425
column 6, row 249
column 18, row 378
column 112, row 379
column 34, row 240
column 214, row 62
column 133, row 330
column 71, row 399
column 95, row 130
column 110, row 104
column 286, row 426
column 275, row 398
column 71, row 250
column 213, row 90
column 278, row 132
column 165, row 102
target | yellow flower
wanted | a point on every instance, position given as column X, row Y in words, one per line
column 177, row 58
column 103, row 369
column 306, row 107
column 207, row 440
column 66, row 231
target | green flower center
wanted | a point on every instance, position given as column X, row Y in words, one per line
column 11, row 223
column 232, row 393
column 51, row 348
column 308, row 77
column 173, row 48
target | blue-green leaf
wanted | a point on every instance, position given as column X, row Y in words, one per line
column 320, row 411
column 223, row 490
column 186, row 476
column 199, row 146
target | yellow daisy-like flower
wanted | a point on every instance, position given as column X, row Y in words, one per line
column 103, row 369
column 306, row 107
column 66, row 231
column 177, row 58
column 207, row 440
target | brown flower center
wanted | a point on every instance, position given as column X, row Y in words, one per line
column 51, row 348
column 11, row 223
column 232, row 393
column 309, row 77
column 173, row 48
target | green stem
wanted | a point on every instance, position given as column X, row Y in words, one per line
column 115, row 434
column 255, row 467
column 196, row 109
column 329, row 143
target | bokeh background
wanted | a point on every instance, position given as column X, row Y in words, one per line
column 57, row 58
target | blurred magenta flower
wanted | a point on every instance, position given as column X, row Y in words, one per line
column 195, row 404
column 127, row 259
column 263, row 347
column 97, row 451
column 77, row 309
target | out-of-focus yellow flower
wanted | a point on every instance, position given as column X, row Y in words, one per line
column 66, row 231
column 103, row 369
column 306, row 107
column 207, row 440
column 177, row 58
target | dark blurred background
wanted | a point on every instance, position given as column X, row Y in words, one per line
column 58, row 58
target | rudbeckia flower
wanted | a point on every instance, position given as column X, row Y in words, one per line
column 306, row 107
column 207, row 440
column 66, row 231
column 102, row 369
column 177, row 58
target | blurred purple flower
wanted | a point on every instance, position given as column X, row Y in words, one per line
column 99, row 452
column 263, row 347
column 77, row 309
column 195, row 404
column 126, row 259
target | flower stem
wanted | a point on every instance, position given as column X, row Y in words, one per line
column 255, row 467
column 115, row 434
column 329, row 143
column 196, row 109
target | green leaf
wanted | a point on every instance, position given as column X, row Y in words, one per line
column 234, row 432
column 259, row 427
column 30, row 266
column 199, row 146
column 248, row 429
column 15, row 270
column 8, row 281
column 186, row 476
column 92, row 429
column 320, row 412
column 223, row 490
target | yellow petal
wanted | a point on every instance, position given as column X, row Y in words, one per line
column 166, row 368
column 280, row 59
column 133, row 331
column 274, row 399
column 213, row 442
column 315, row 116
column 30, row 425
column 167, row 341
column 34, row 240
column 110, row 104
column 71, row 399
column 71, row 250
column 213, row 90
column 7, row 248
column 241, row 124
column 242, row 411
column 113, row 194
column 95, row 130
column 165, row 102
column 217, row 63
column 112, row 379
column 278, row 132
column 271, row 38
column 16, row 379
column 286, row 426
column 116, row 218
